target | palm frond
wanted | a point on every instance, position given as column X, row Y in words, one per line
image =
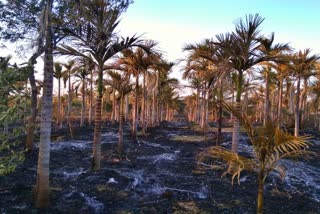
column 231, row 161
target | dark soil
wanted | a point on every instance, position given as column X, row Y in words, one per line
column 157, row 175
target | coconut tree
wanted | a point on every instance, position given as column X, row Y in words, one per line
column 96, row 37
column 303, row 63
column 121, row 83
column 270, row 144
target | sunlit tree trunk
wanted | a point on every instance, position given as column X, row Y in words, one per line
column 143, row 105
column 120, row 141
column 42, row 185
column 303, row 101
column 297, row 110
column 204, row 110
column 279, row 116
column 114, row 104
column 98, row 121
column 153, row 111
column 219, row 134
column 266, row 100
column 291, row 99
column 236, row 123
column 197, row 115
column 135, row 113
column 126, row 108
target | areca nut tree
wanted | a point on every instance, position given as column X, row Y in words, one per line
column 303, row 62
column 97, row 21
column 243, row 49
column 121, row 83
column 136, row 62
column 42, row 185
column 82, row 78
column 270, row 144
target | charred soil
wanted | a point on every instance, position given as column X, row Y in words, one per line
column 156, row 175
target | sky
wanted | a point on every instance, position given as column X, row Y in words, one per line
column 175, row 23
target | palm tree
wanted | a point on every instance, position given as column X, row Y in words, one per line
column 276, row 51
column 282, row 71
column 42, row 185
column 121, row 83
column 58, row 75
column 70, row 68
column 303, row 63
column 137, row 62
column 96, row 37
column 161, row 67
column 243, row 49
column 166, row 94
column 190, row 102
column 270, row 144
column 82, row 75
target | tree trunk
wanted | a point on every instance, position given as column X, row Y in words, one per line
column 91, row 98
column 219, row 134
column 197, row 116
column 83, row 104
column 167, row 112
column 135, row 113
column 143, row 106
column 260, row 195
column 153, row 111
column 126, row 109
column 59, row 104
column 297, row 110
column 236, row 123
column 204, row 110
column 97, row 123
column 42, row 185
column 303, row 102
column 120, row 141
column 113, row 113
column 266, row 118
column 70, row 105
column 279, row 116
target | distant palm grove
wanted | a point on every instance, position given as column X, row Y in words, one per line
column 92, row 76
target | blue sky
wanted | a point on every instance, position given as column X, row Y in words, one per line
column 174, row 23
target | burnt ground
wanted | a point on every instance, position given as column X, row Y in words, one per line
column 158, row 175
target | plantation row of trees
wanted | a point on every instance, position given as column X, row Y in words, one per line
column 267, row 80
column 242, row 74
column 256, row 81
column 85, row 31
